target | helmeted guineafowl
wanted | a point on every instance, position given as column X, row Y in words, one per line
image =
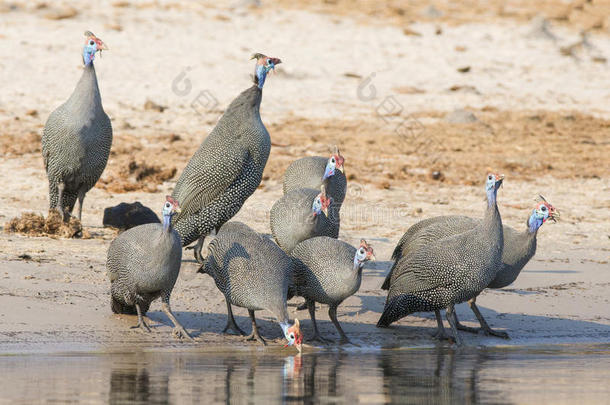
column 254, row 273
column 315, row 171
column 444, row 272
column 328, row 271
column 77, row 138
column 228, row 166
column 301, row 214
column 519, row 248
column 143, row 264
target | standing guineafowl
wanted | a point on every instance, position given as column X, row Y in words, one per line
column 143, row 264
column 444, row 272
column 228, row 166
column 519, row 248
column 254, row 273
column 77, row 138
column 328, row 271
column 301, row 214
column 315, row 171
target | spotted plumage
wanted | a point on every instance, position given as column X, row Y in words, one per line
column 227, row 168
column 443, row 272
column 143, row 264
column 299, row 215
column 328, row 271
column 77, row 138
column 254, row 273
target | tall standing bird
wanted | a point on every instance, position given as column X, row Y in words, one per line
column 301, row 214
column 328, row 271
column 254, row 273
column 228, row 166
column 77, row 138
column 446, row 271
column 519, row 248
column 143, row 264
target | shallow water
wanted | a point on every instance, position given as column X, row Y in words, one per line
column 438, row 375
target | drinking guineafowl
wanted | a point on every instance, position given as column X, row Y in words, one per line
column 328, row 271
column 228, row 166
column 444, row 272
column 76, row 139
column 301, row 214
column 519, row 248
column 254, row 273
column 143, row 264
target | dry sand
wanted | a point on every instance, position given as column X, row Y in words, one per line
column 376, row 81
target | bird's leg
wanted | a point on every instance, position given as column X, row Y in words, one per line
column 141, row 324
column 484, row 326
column 179, row 332
column 311, row 305
column 440, row 333
column 231, row 325
column 332, row 313
column 197, row 250
column 450, row 314
column 462, row 327
column 81, row 197
column 60, row 194
column 255, row 335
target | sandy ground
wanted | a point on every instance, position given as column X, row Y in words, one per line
column 381, row 85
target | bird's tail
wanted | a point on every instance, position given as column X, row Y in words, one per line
column 121, row 308
column 395, row 308
column 388, row 278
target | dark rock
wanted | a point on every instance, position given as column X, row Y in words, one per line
column 125, row 216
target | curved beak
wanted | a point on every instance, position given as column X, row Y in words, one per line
column 325, row 211
column 341, row 169
column 104, row 47
column 178, row 210
column 299, row 347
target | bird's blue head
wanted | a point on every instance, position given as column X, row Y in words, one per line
column 492, row 184
column 170, row 208
column 92, row 45
column 335, row 162
column 363, row 254
column 543, row 211
column 321, row 203
column 263, row 65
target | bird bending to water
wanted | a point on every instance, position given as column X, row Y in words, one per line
column 253, row 273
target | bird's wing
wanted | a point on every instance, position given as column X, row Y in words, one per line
column 220, row 174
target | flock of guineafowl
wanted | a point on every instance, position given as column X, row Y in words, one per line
column 439, row 262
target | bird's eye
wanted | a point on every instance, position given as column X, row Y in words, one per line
column 361, row 251
column 291, row 336
column 543, row 208
column 332, row 160
column 91, row 43
column 490, row 178
column 166, row 205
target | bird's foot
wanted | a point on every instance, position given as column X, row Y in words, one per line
column 180, row 333
column 496, row 333
column 234, row 328
column 256, row 336
column 198, row 256
column 468, row 329
column 345, row 341
column 302, row 306
column 318, row 338
column 442, row 336
column 142, row 326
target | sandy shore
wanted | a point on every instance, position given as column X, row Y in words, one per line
column 542, row 118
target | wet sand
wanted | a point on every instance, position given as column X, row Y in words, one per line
column 542, row 119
